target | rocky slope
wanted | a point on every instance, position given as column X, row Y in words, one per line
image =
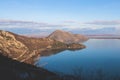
column 67, row 37
column 26, row 49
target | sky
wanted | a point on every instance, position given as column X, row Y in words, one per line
column 77, row 16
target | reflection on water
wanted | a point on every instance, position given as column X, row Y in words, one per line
column 50, row 52
column 101, row 57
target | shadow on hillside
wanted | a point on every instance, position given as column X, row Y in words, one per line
column 14, row 70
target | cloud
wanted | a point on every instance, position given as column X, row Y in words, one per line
column 30, row 27
column 27, row 25
column 115, row 22
column 117, row 29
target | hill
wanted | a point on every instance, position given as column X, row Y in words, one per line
column 27, row 49
column 67, row 37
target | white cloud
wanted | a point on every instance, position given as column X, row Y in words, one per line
column 66, row 25
column 100, row 22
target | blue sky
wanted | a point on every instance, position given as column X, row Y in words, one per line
column 73, row 14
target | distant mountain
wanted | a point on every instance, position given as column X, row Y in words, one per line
column 67, row 37
column 26, row 49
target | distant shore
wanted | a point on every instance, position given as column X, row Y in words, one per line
column 103, row 37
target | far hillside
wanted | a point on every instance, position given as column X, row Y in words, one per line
column 67, row 37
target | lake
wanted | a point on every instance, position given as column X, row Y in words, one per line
column 100, row 57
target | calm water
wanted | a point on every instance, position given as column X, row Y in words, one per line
column 100, row 55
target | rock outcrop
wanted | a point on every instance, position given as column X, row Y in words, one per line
column 26, row 49
column 67, row 37
column 9, row 44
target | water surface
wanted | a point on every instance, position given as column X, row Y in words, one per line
column 100, row 55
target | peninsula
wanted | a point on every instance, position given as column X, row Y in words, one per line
column 27, row 49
